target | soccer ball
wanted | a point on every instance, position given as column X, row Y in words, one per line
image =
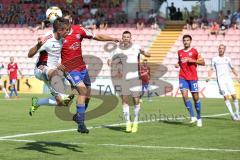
column 53, row 13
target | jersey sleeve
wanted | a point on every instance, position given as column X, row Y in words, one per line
column 16, row 66
column 85, row 33
column 196, row 54
column 42, row 48
column 46, row 38
column 230, row 63
column 8, row 67
column 212, row 64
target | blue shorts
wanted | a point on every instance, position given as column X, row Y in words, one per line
column 145, row 87
column 76, row 77
column 13, row 81
column 191, row 85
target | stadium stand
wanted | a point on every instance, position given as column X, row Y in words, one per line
column 17, row 41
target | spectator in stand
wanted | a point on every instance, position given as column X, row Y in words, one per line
column 220, row 17
column 172, row 11
column 151, row 17
column 204, row 23
column 226, row 22
column 140, row 23
column 104, row 25
column 93, row 10
column 2, row 18
column 179, row 15
column 86, row 3
column 214, row 30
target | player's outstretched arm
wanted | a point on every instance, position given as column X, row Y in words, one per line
column 35, row 48
column 210, row 72
column 236, row 74
column 102, row 37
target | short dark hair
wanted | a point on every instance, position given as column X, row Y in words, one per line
column 66, row 13
column 127, row 32
column 60, row 23
column 187, row 36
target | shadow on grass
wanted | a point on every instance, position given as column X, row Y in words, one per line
column 116, row 128
column 47, row 147
column 219, row 118
column 173, row 122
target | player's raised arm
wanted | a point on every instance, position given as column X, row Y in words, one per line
column 210, row 72
column 102, row 37
column 35, row 48
column 146, row 54
column 236, row 74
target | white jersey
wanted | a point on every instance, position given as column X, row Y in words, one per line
column 222, row 66
column 50, row 52
column 129, row 58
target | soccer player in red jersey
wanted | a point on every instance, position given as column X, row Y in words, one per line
column 12, row 72
column 74, row 67
column 145, row 77
column 188, row 59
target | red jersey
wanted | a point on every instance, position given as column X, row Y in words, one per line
column 188, row 71
column 71, row 53
column 145, row 74
column 12, row 68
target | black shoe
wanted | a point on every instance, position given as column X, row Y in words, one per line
column 83, row 129
column 74, row 118
column 68, row 101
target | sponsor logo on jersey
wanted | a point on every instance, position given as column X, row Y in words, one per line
column 78, row 36
column 75, row 46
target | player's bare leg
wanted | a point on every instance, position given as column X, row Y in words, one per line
column 229, row 107
column 188, row 105
column 81, row 99
column 126, row 112
column 197, row 107
column 4, row 91
column 136, row 114
column 236, row 105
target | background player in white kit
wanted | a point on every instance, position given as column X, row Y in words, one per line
column 223, row 67
column 2, row 85
column 130, row 53
column 49, row 49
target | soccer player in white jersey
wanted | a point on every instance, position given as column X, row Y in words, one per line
column 49, row 49
column 2, row 85
column 132, row 53
column 223, row 67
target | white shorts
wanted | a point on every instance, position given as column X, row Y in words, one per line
column 226, row 87
column 42, row 75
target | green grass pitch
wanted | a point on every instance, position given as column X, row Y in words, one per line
column 167, row 139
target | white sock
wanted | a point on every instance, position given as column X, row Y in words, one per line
column 229, row 107
column 4, row 91
column 235, row 102
column 51, row 101
column 126, row 112
column 136, row 112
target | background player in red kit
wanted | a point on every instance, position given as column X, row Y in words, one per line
column 75, row 68
column 12, row 72
column 188, row 59
column 145, row 77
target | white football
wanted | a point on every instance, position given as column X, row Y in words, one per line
column 53, row 13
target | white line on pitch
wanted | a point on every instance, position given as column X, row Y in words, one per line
column 101, row 126
column 132, row 146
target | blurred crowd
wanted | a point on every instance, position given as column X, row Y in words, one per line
column 90, row 13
